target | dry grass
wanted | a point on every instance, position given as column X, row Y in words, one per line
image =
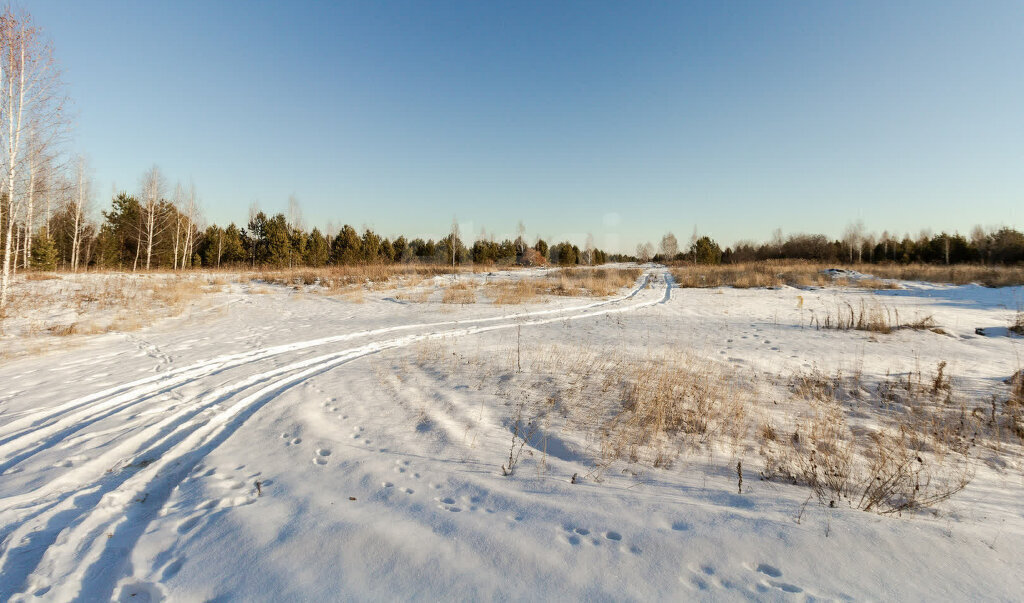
column 99, row 303
column 963, row 274
column 797, row 273
column 874, row 318
column 1017, row 325
column 459, row 293
column 914, row 455
column 519, row 291
column 41, row 276
column 668, row 401
column 417, row 297
column 574, row 282
column 592, row 282
column 750, row 274
column 338, row 277
column 896, row 444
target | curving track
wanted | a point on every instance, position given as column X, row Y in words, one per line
column 75, row 529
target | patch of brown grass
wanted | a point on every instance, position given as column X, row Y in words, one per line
column 515, row 292
column 40, row 276
column 799, row 273
column 1017, row 326
column 591, row 282
column 874, row 318
column 961, row 274
column 459, row 293
column 749, row 275
column 916, row 459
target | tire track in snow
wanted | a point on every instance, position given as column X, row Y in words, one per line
column 25, row 430
column 123, row 505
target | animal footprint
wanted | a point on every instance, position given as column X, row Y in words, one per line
column 321, row 456
column 448, row 504
column 775, row 572
column 769, row 570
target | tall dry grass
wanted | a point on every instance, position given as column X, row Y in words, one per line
column 916, row 451
column 100, row 303
column 873, row 317
column 798, row 273
column 569, row 282
column 750, row 274
column 888, row 445
column 337, row 277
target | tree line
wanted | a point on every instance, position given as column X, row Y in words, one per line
column 151, row 230
column 1003, row 245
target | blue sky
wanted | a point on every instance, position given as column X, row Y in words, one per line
column 622, row 119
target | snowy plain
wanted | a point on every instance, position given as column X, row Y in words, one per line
column 279, row 444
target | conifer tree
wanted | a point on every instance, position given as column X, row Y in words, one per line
column 44, row 252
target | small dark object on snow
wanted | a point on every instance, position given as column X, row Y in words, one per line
column 575, row 477
column 979, row 331
column 351, row 497
column 259, row 488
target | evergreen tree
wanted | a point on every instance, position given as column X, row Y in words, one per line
column 370, row 245
column 44, row 252
column 706, row 251
column 233, row 249
column 346, row 247
column 401, row 249
column 318, row 250
column 542, row 248
column 121, row 231
column 278, row 246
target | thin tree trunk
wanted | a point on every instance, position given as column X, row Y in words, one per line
column 177, row 231
column 29, row 210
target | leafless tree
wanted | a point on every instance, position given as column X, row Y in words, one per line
column 669, row 246
column 191, row 215
column 853, row 236
column 79, row 205
column 178, row 201
column 454, row 240
column 520, row 239
column 30, row 96
column 295, row 213
column 644, row 252
column 153, row 185
column 588, row 249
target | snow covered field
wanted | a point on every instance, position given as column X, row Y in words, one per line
column 280, row 444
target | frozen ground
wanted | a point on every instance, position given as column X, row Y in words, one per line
column 284, row 445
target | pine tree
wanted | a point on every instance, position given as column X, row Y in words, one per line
column 44, row 252
column 317, row 250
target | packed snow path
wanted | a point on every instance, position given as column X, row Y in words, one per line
column 286, row 468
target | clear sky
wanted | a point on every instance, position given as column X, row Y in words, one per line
column 623, row 119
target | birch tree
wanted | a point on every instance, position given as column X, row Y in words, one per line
column 454, row 240
column 30, row 93
column 79, row 203
column 153, row 185
column 177, row 202
column 191, row 227
column 669, row 247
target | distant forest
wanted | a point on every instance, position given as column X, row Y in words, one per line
column 151, row 231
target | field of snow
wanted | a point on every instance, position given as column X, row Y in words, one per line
column 281, row 444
